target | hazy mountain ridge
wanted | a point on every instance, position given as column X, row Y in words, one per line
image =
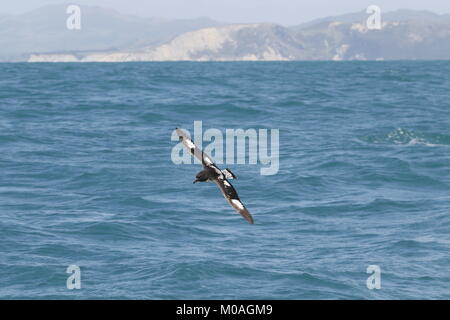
column 405, row 34
column 400, row 15
column 226, row 43
column 44, row 31
column 397, row 40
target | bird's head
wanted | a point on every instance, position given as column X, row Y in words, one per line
column 201, row 177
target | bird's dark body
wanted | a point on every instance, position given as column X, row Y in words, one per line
column 213, row 174
column 207, row 174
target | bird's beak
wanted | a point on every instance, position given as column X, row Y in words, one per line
column 195, row 181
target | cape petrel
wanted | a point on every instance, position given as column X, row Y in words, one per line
column 212, row 173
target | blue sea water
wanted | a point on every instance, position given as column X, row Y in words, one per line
column 86, row 179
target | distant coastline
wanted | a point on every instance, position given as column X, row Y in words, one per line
column 108, row 36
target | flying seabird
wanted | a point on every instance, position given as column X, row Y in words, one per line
column 212, row 173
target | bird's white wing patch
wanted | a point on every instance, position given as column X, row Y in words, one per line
column 238, row 204
column 189, row 144
column 228, row 174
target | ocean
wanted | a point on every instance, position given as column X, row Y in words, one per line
column 87, row 180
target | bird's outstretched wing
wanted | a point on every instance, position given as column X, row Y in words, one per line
column 232, row 197
column 225, row 186
column 194, row 150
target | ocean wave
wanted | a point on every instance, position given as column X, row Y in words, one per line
column 87, row 179
column 405, row 137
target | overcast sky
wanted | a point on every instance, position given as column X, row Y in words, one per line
column 280, row 11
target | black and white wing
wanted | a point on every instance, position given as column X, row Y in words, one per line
column 233, row 199
column 194, row 150
column 225, row 186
